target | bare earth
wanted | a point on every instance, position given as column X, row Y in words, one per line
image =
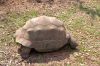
column 81, row 19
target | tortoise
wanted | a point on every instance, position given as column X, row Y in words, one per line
column 44, row 34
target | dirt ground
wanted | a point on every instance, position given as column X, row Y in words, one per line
column 81, row 18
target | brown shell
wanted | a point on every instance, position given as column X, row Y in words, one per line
column 42, row 33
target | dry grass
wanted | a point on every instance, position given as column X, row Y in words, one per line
column 82, row 20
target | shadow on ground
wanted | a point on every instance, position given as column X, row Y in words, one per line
column 61, row 54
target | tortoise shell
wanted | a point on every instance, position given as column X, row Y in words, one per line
column 42, row 33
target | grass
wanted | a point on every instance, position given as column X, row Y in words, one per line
column 76, row 19
column 64, row 16
column 20, row 18
column 12, row 22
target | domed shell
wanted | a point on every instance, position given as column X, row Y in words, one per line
column 42, row 33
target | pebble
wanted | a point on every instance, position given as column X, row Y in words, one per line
column 81, row 64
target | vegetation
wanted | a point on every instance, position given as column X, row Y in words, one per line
column 81, row 19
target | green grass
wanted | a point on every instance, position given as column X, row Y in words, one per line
column 19, row 19
column 75, row 20
column 64, row 16
column 12, row 22
column 91, row 8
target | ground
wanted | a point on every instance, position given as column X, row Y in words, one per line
column 80, row 17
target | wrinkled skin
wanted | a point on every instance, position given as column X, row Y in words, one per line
column 44, row 34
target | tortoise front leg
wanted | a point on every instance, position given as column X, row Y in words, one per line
column 25, row 52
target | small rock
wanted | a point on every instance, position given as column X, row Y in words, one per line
column 76, row 54
column 81, row 64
